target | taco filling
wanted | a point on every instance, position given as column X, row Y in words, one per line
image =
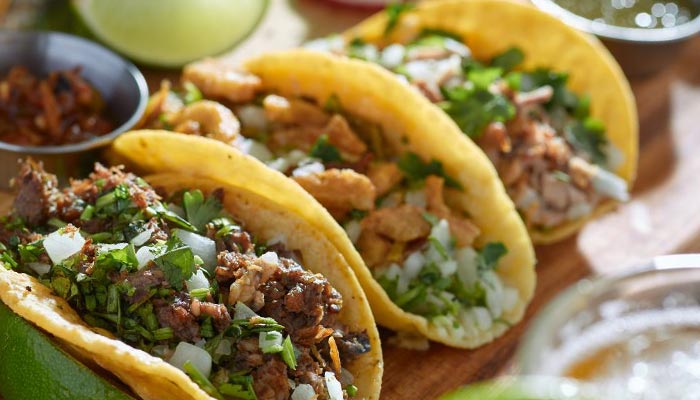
column 551, row 154
column 395, row 207
column 181, row 280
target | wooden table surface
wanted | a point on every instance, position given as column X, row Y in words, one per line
column 663, row 216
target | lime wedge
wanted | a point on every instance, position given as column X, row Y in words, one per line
column 170, row 33
column 524, row 388
column 34, row 367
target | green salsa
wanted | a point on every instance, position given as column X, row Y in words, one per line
column 652, row 14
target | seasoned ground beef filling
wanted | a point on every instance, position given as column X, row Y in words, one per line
column 158, row 275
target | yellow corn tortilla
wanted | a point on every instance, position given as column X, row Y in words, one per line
column 372, row 94
column 489, row 27
column 262, row 215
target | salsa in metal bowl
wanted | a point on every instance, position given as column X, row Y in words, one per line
column 652, row 14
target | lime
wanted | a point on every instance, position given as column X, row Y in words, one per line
column 34, row 367
column 170, row 33
column 523, row 388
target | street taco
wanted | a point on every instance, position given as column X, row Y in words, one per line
column 547, row 104
column 202, row 290
column 442, row 252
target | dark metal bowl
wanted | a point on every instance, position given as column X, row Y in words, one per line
column 120, row 83
column 639, row 51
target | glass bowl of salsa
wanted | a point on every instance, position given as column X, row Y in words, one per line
column 62, row 99
column 634, row 336
column 643, row 35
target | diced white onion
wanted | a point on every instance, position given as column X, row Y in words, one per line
column 510, row 298
column 198, row 281
column 142, row 238
column 335, row 391
column 252, row 116
column 106, row 248
column 527, row 199
column 457, row 47
column 447, row 268
column 303, row 391
column 296, row 156
column 482, row 318
column 467, row 265
column 201, row 246
column 494, row 293
column 441, row 232
column 611, row 185
column 393, row 271
column 615, row 158
column 199, row 358
column 334, row 44
column 270, row 257
column 413, row 265
column 61, row 245
column 146, row 254
column 242, row 311
column 578, row 210
column 256, row 149
column 416, row 198
column 468, row 322
column 267, row 340
column 201, row 343
column 224, row 348
column 309, row 169
column 39, row 267
column 392, row 56
column 279, row 164
column 353, row 230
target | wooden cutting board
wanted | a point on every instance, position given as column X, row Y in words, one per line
column 663, row 216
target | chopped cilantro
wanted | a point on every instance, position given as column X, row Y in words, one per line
column 325, row 151
column 288, row 355
column 473, row 109
column 357, row 214
column 393, row 12
column 177, row 263
column 509, row 59
column 416, row 170
column 159, row 210
column 191, row 94
column 239, row 387
column 332, row 105
column 490, row 254
column 431, row 218
column 351, row 390
column 428, row 32
column 588, row 136
column 30, row 252
column 198, row 210
column 115, row 260
column 198, row 377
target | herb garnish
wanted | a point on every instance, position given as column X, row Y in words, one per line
column 393, row 12
column 324, row 150
column 416, row 170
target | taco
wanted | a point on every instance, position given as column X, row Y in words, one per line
column 442, row 252
column 206, row 290
column 547, row 104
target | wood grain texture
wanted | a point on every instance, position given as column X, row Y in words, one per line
column 663, row 216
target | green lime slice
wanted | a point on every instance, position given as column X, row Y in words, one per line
column 523, row 388
column 34, row 367
column 170, row 33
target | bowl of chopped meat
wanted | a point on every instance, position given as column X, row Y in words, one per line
column 62, row 99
